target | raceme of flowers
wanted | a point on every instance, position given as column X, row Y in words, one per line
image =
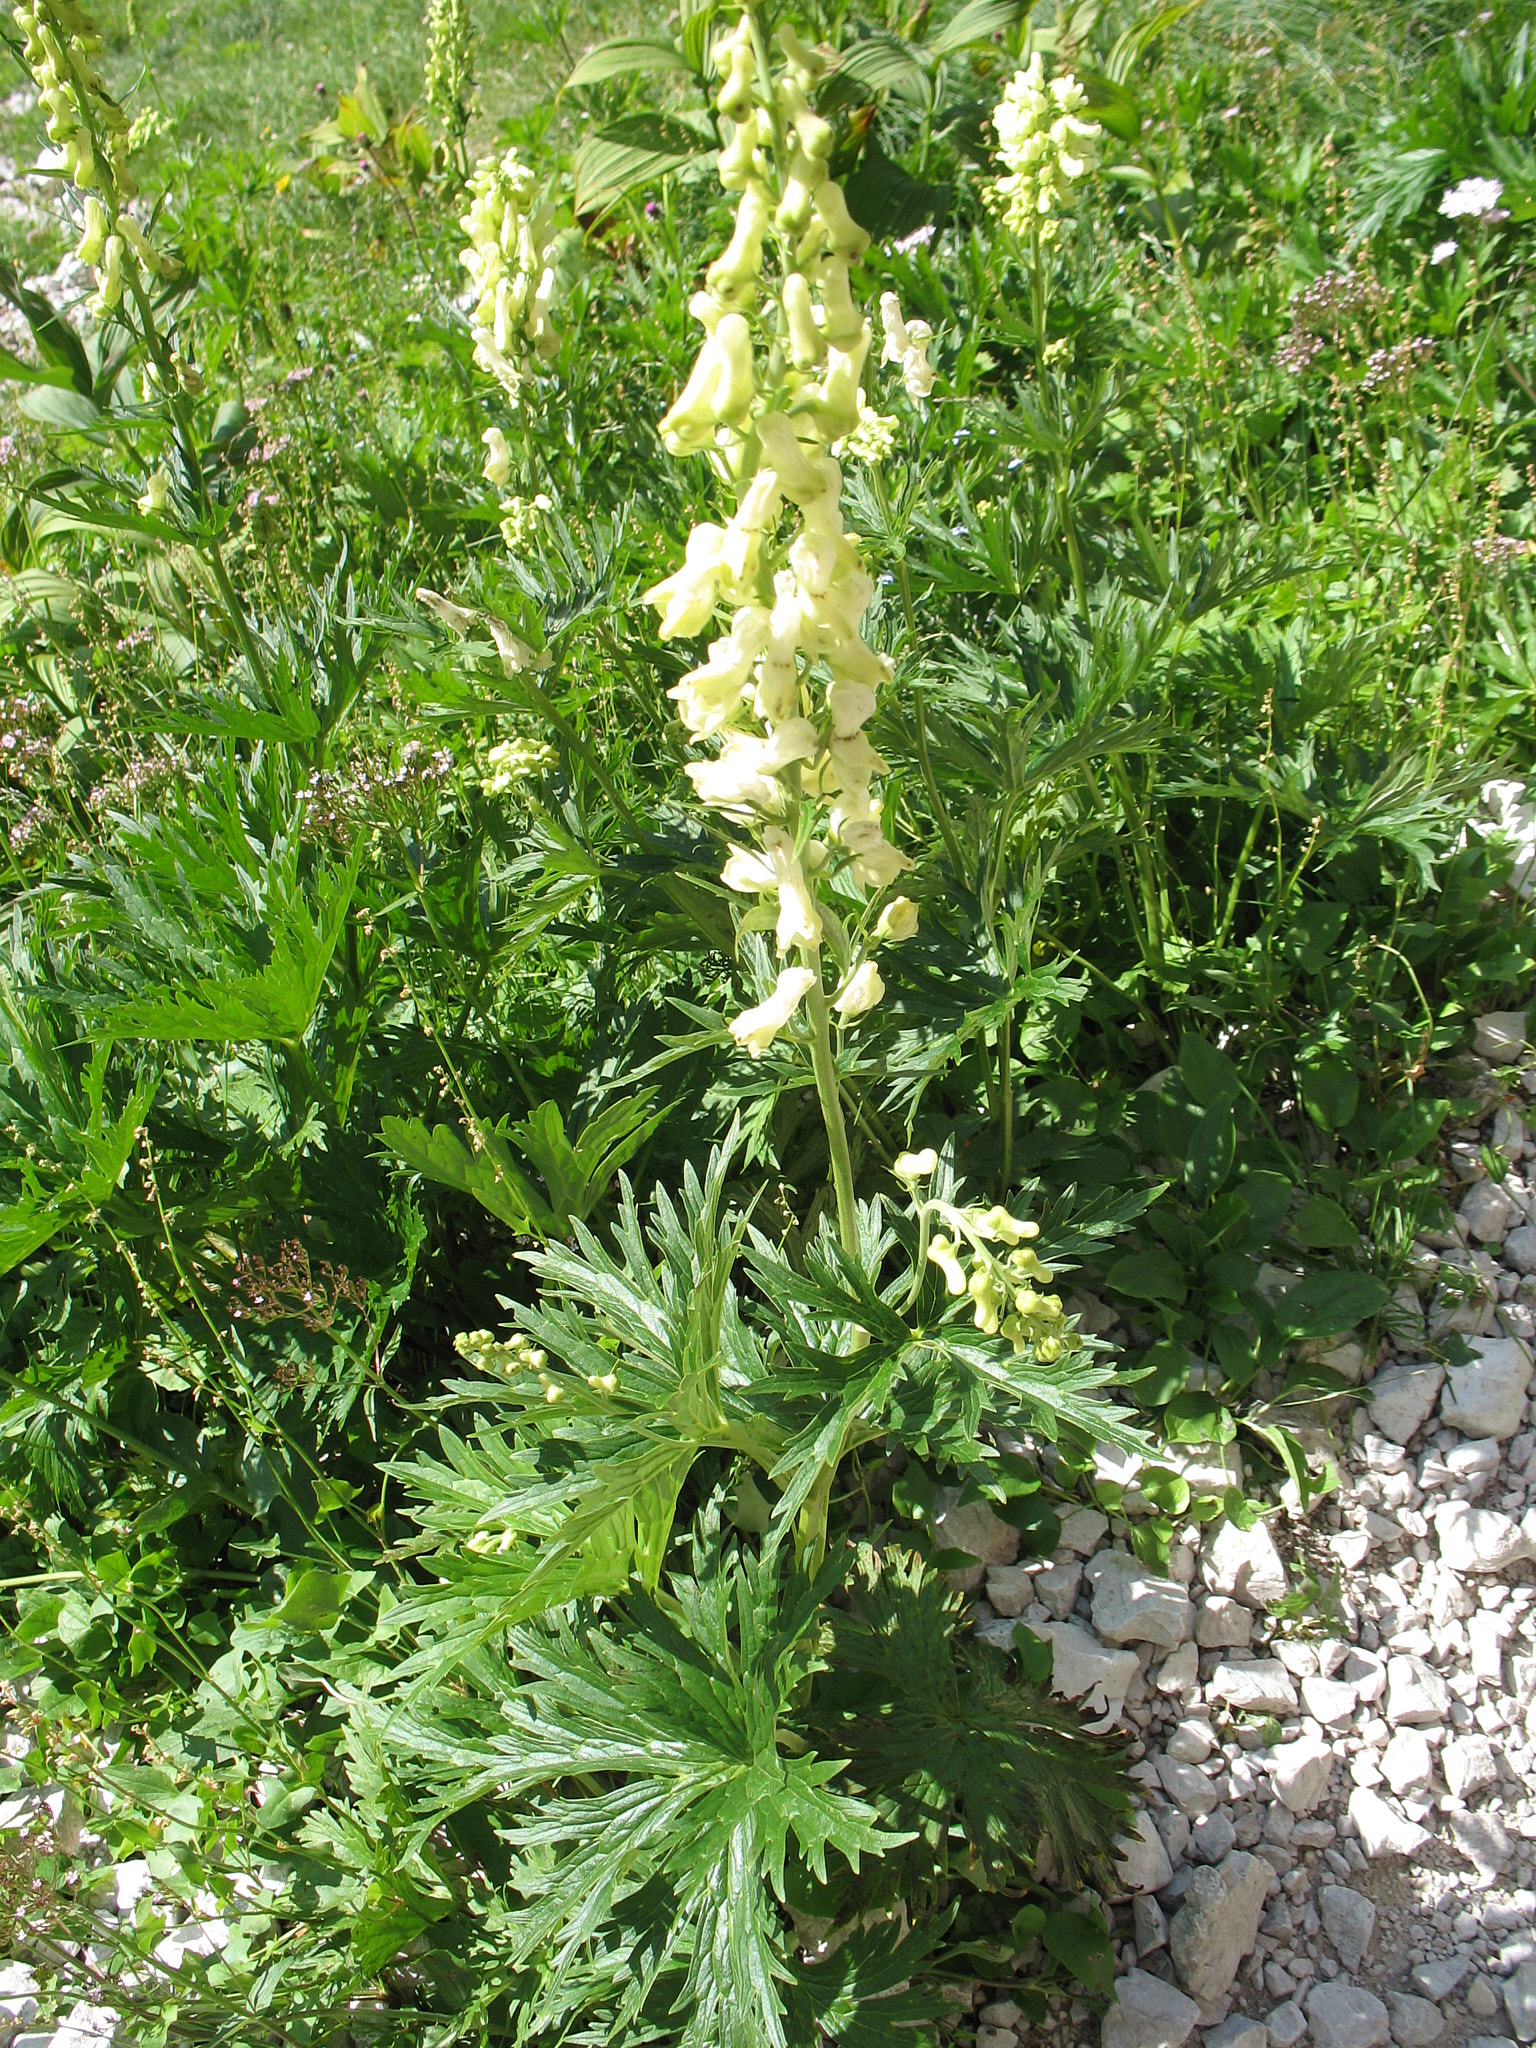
column 775, row 389
column 1046, row 144
column 510, row 238
column 90, row 131
column 985, row 1253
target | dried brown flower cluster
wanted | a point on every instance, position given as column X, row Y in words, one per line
column 289, row 1290
column 337, row 802
column 1319, row 315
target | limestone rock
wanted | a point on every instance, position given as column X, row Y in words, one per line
column 1500, row 1036
column 1343, row 2016
column 1468, row 1764
column 1237, row 2032
column 1148, row 2013
column 1056, row 1590
column 1286, row 2025
column 1187, row 1786
column 1349, row 1921
column 1263, row 1687
column 1329, row 1700
column 1417, row 1696
column 1212, row 1838
column 1010, row 1589
column 974, row 1529
column 1440, row 1978
column 1148, row 1924
column 1180, row 1670
column 1520, row 1248
column 1223, row 1624
column 1383, row 1832
column 1244, row 1564
column 1403, row 1398
column 1191, row 1741
column 18, row 1987
column 1478, row 1539
column 1141, row 1861
column 130, row 1881
column 1218, row 1923
column 1406, row 1762
column 1299, row 1772
column 1520, row 2002
column 1486, row 1397
column 1083, row 1669
column 1488, row 1212
column 1083, row 1531
column 1130, row 1605
column 1416, row 2022
column 1481, row 1839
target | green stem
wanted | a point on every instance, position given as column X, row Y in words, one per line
column 1230, row 912
column 186, row 441
column 824, row 1068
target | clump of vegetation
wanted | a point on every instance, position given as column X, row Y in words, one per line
column 745, row 807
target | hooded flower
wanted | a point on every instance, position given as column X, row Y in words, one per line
column 799, row 921
column 757, row 1028
column 906, row 343
column 498, row 457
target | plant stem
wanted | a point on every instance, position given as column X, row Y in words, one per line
column 825, row 1069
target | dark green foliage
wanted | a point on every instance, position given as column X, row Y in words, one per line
column 602, row 1681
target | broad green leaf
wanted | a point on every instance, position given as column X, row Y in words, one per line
column 1152, row 1275
column 1330, row 1088
column 623, row 57
column 1321, row 1225
column 1211, row 1151
column 1080, row 1943
column 885, row 64
column 311, row 1604
column 1162, row 1372
column 637, row 150
column 1327, row 1304
column 1111, row 105
column 1209, row 1075
column 16, row 371
column 151, row 1791
column 57, row 406
column 978, row 21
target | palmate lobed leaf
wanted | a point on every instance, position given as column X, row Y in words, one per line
column 643, row 1748
column 939, row 1741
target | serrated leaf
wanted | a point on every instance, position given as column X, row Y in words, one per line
column 485, row 1169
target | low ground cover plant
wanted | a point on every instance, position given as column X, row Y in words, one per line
column 752, row 826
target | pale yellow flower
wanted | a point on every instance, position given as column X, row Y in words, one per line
column 756, row 1029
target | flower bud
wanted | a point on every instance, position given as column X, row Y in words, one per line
column 897, row 922
column 738, row 60
column 914, row 1166
column 156, row 491
column 807, row 349
column 733, row 274
column 863, row 990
